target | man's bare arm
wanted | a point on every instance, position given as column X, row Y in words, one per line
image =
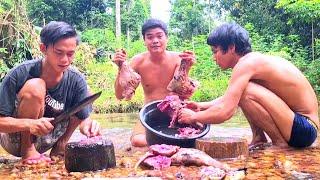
column 224, row 107
column 40, row 126
column 10, row 125
column 206, row 105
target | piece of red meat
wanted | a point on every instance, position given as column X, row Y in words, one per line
column 191, row 156
column 128, row 80
column 157, row 162
column 163, row 149
column 171, row 104
column 181, row 84
column 188, row 132
column 91, row 140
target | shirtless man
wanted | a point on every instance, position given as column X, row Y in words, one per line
column 156, row 68
column 274, row 95
column 35, row 91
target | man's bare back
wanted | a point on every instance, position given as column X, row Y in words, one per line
column 286, row 81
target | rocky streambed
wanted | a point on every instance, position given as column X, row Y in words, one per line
column 260, row 164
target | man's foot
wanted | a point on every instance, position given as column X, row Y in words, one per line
column 36, row 159
column 280, row 144
column 259, row 146
column 259, row 140
column 58, row 150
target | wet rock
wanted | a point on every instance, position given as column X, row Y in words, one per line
column 300, row 175
column 211, row 172
column 54, row 176
column 9, row 159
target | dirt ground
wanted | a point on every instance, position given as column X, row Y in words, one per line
column 269, row 163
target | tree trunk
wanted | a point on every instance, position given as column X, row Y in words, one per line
column 128, row 38
column 89, row 156
column 223, row 147
column 118, row 22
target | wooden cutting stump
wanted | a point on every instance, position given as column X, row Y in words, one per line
column 223, row 147
column 91, row 155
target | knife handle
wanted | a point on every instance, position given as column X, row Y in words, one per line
column 33, row 138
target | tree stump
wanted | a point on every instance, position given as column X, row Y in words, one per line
column 223, row 147
column 89, row 155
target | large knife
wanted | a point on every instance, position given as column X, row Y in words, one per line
column 76, row 108
column 69, row 112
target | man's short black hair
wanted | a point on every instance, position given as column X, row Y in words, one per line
column 154, row 23
column 56, row 30
column 230, row 34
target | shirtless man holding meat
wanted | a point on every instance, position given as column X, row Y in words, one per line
column 274, row 95
column 156, row 67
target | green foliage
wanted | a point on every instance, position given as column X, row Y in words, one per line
column 135, row 47
column 104, row 40
column 305, row 11
column 3, row 68
column 317, row 47
column 99, row 38
column 266, row 19
column 83, row 57
column 17, row 36
column 210, row 89
column 5, row 5
column 187, row 18
column 81, row 13
column 133, row 15
column 284, row 17
column 313, row 74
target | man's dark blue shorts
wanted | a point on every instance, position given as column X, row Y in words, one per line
column 304, row 132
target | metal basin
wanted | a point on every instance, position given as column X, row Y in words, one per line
column 157, row 131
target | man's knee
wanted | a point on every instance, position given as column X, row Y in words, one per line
column 138, row 140
column 249, row 94
column 33, row 89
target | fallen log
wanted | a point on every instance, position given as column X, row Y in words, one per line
column 223, row 147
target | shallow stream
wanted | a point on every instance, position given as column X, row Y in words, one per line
column 261, row 164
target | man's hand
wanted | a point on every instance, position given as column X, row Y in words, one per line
column 185, row 116
column 119, row 57
column 189, row 56
column 193, row 106
column 90, row 128
column 41, row 127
